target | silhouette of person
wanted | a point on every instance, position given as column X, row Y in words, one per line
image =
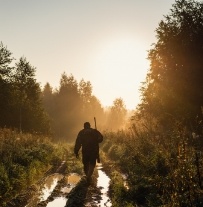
column 89, row 140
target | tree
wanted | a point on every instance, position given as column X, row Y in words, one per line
column 48, row 98
column 6, row 87
column 67, row 108
column 85, row 90
column 117, row 115
column 91, row 106
column 28, row 106
column 5, row 61
column 174, row 83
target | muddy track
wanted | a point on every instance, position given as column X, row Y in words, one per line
column 84, row 195
column 55, row 193
column 23, row 198
column 80, row 195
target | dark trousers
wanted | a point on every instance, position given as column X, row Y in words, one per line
column 89, row 163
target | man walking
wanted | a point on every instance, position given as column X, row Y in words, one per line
column 89, row 140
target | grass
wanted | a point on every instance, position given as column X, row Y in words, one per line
column 161, row 169
column 24, row 160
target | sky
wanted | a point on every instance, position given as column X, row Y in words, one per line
column 105, row 42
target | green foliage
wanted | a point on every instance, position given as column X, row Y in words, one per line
column 24, row 158
column 118, row 192
column 5, row 60
column 161, row 169
column 27, row 101
column 174, row 84
column 20, row 105
column 106, row 145
column 166, row 159
column 4, row 180
column 5, row 86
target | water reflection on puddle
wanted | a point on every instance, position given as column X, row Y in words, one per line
column 103, row 183
column 57, row 202
column 50, row 184
column 48, row 187
column 71, row 180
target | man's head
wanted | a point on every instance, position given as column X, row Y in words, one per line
column 86, row 125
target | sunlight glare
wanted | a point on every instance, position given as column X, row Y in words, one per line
column 124, row 65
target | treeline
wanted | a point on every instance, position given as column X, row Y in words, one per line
column 73, row 104
column 61, row 112
column 174, row 84
column 161, row 154
column 20, row 104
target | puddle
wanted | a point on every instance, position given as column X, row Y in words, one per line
column 57, row 202
column 69, row 182
column 50, row 184
column 72, row 180
column 48, row 187
column 103, row 183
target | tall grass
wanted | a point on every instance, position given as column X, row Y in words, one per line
column 163, row 169
column 24, row 158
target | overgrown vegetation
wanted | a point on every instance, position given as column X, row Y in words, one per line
column 164, row 169
column 173, row 87
column 24, row 159
column 161, row 154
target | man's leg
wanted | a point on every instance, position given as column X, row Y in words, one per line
column 92, row 164
column 86, row 168
column 90, row 170
column 85, row 165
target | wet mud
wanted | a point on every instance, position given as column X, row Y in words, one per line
column 62, row 190
column 94, row 194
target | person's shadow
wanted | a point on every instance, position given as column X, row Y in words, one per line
column 77, row 195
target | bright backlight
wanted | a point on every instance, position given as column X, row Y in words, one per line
column 124, row 65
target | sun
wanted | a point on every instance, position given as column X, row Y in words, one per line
column 123, row 64
column 120, row 54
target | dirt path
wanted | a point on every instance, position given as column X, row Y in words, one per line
column 62, row 190
column 93, row 195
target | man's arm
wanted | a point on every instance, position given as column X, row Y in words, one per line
column 78, row 144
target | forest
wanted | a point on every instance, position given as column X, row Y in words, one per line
column 158, row 147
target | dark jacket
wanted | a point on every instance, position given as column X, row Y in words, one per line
column 89, row 140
